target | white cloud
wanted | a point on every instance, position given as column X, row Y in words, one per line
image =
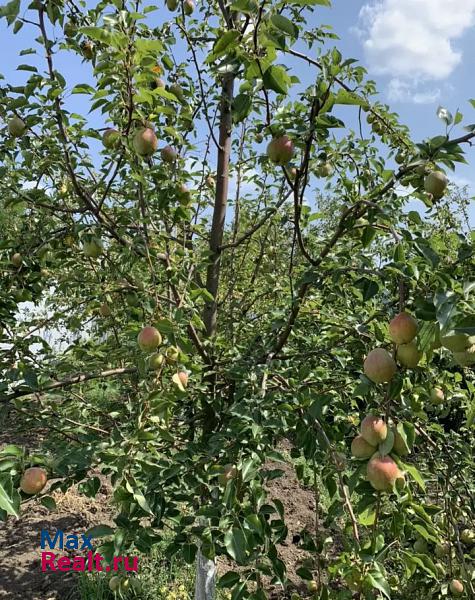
column 413, row 40
column 400, row 90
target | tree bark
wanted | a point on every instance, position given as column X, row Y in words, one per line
column 220, row 205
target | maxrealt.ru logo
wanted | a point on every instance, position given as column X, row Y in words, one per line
column 81, row 542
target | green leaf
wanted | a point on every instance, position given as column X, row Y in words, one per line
column 346, row 97
column 189, row 553
column 226, row 42
column 285, row 25
column 277, row 79
column 414, row 473
column 242, row 106
column 9, row 499
column 235, row 543
column 386, row 446
column 49, row 502
column 229, row 580
column 99, row 531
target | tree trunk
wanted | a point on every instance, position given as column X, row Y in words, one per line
column 205, row 583
column 206, row 569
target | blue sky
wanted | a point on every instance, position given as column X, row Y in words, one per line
column 420, row 52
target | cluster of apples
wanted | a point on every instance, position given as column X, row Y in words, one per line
column 382, row 471
column 144, row 142
column 149, row 340
column 188, row 6
column 379, row 365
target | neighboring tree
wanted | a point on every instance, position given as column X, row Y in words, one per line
column 226, row 203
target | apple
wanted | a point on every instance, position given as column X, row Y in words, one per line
column 457, row 342
column 467, row 537
column 465, row 358
column 379, row 366
column 292, row 173
column 382, row 473
column 325, row 169
column 156, row 361
column 361, row 449
column 145, row 141
column 16, row 127
column 210, row 182
column 403, row 328
column 456, row 587
column 157, row 83
column 149, row 339
column 168, row 154
column 437, row 395
column 16, row 260
column 312, row 586
column 280, row 150
column 259, row 138
column 409, row 355
column 373, row 430
column 189, row 7
column 172, row 4
column 111, row 138
column 177, row 91
column 33, row 480
column 180, row 379
column 435, row 183
column 87, row 48
column 172, row 354
column 93, row 248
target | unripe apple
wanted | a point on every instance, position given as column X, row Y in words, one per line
column 156, row 361
column 69, row 29
column 467, row 537
column 93, row 248
column 435, row 183
column 456, row 587
column 379, row 366
column 16, row 127
column 259, row 138
column 420, row 546
column 87, row 48
column 458, row 342
column 168, row 154
column 292, row 173
column 312, row 586
column 177, row 91
column 280, row 150
column 403, row 328
column 16, row 260
column 145, row 141
column 172, row 354
column 104, row 310
column 210, row 182
column 325, row 169
column 400, row 158
column 373, row 429
column 383, row 473
column 33, row 480
column 229, row 472
column 437, row 396
column 361, row 449
column 149, row 339
column 465, row 358
column 172, row 4
column 408, row 355
column 157, row 83
column 114, row 583
column 111, row 138
column 189, row 7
